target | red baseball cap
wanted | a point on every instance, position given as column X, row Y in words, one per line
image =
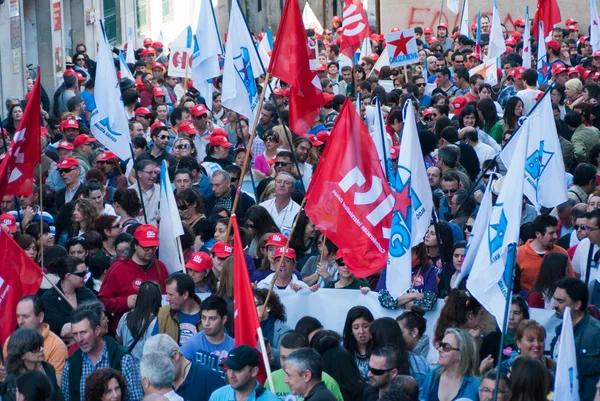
column 509, row 50
column 519, row 72
column 432, row 39
column 374, row 56
column 68, row 162
column 394, row 152
column 198, row 110
column 520, row 22
column 80, row 77
column 315, row 141
column 69, row 71
column 336, row 18
column 323, row 136
column 150, row 50
column 277, row 240
column 427, row 111
column 510, row 41
column 157, row 44
column 219, row 132
column 586, row 74
column 289, row 253
column 395, row 29
column 427, row 29
column 147, row 41
column 573, row 28
column 459, row 103
column 10, row 221
column 81, row 140
column 474, row 55
column 442, row 25
column 572, row 70
column 143, row 111
column 146, row 235
column 106, row 156
column 558, row 68
column 516, row 35
column 473, row 27
column 328, row 97
column 158, row 91
column 199, row 262
column 143, row 52
column 158, row 65
column 157, row 124
column 570, row 21
column 278, row 92
column 596, row 53
column 186, row 128
column 66, row 145
column 511, row 73
column 222, row 250
column 220, row 141
column 499, row 73
column 69, row 123
column 553, row 44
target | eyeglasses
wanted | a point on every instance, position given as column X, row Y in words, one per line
column 379, row 372
column 434, row 115
column 115, row 226
column 468, row 227
column 234, row 179
column 182, row 147
column 202, row 117
column 81, row 274
column 489, row 392
column 36, row 350
column 66, row 170
column 271, row 139
column 422, row 85
column 593, row 228
column 163, row 137
column 183, row 207
column 445, row 347
column 282, row 164
column 250, row 225
column 580, row 227
column 445, row 191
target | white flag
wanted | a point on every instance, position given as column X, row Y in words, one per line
column 566, row 383
column 487, row 70
column 497, row 47
column 527, row 41
column 464, row 23
column 365, row 48
column 207, row 49
column 490, row 274
column 130, row 48
column 124, row 68
column 453, row 6
column 384, row 60
column 170, row 224
column 265, row 47
column 594, row 28
column 310, row 20
column 478, row 232
column 109, row 122
column 542, row 60
column 182, row 50
column 545, row 171
column 242, row 67
column 411, row 216
column 379, row 134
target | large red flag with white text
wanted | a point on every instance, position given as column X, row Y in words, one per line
column 19, row 276
column 290, row 63
column 17, row 168
column 355, row 27
column 349, row 198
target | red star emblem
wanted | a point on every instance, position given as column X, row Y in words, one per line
column 400, row 44
column 544, row 69
column 595, row 22
column 483, row 71
column 403, row 201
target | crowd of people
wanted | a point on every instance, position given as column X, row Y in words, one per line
column 110, row 323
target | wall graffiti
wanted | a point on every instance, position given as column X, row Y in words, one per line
column 429, row 16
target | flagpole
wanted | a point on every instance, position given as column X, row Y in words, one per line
column 246, row 159
column 285, row 248
column 382, row 126
column 462, row 14
column 472, row 189
column 239, row 124
column 441, row 9
column 322, row 248
column 512, row 252
column 62, row 294
column 181, row 254
column 265, row 357
column 137, row 179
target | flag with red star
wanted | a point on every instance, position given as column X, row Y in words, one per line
column 402, row 48
column 412, row 209
column 594, row 27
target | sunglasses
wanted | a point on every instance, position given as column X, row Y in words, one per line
column 340, row 262
column 234, row 179
column 272, row 140
column 250, row 225
column 445, row 191
column 379, row 372
column 182, row 147
column 66, row 170
column 422, row 85
column 468, row 227
column 163, row 137
column 580, row 227
column 445, row 347
column 183, row 207
column 202, row 117
column 282, row 164
column 81, row 274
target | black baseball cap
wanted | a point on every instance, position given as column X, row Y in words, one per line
column 240, row 357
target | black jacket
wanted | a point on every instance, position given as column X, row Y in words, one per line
column 57, row 311
column 243, row 205
column 59, row 199
column 320, row 393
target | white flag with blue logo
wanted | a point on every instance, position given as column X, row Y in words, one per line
column 478, row 232
column 566, row 383
column 207, row 50
column 542, row 60
column 527, row 42
column 124, row 68
column 496, row 47
column 109, row 122
column 411, row 216
column 170, row 224
column 545, row 169
column 242, row 67
column 130, row 48
column 490, row 275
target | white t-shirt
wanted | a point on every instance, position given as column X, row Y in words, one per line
column 484, row 152
column 580, row 259
column 285, row 218
column 528, row 97
column 266, row 282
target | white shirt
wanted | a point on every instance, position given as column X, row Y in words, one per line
column 484, row 152
column 109, row 210
column 201, row 143
column 173, row 396
column 528, row 97
column 285, row 218
column 580, row 259
column 307, row 172
column 266, row 282
column 151, row 199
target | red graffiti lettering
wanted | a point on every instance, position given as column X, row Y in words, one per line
column 418, row 16
column 420, row 22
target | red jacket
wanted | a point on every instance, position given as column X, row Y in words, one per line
column 124, row 279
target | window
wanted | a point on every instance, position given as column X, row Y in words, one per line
column 166, row 9
column 141, row 15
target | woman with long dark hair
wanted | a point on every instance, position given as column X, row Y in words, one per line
column 191, row 209
column 273, row 320
column 258, row 223
column 510, row 120
column 487, row 113
column 25, row 353
column 323, row 270
column 307, row 327
column 15, row 115
column 357, row 337
column 304, row 239
column 554, row 267
column 469, row 117
column 462, row 311
column 529, row 380
column 413, row 325
column 33, row 386
column 136, row 327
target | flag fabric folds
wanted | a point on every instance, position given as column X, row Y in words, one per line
column 124, row 68
column 170, row 224
column 310, row 20
column 566, row 383
column 19, row 276
column 544, row 185
column 265, row 47
column 464, row 23
column 527, row 42
column 496, row 47
column 349, row 198
column 413, row 207
column 355, row 27
column 490, row 276
column 290, row 63
column 542, row 60
column 242, row 66
column 453, row 6
column 109, row 122
column 17, row 173
column 207, row 50
column 548, row 12
column 379, row 134
column 594, row 28
column 130, row 58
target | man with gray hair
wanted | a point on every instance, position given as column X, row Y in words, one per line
column 192, row 380
column 70, row 91
column 303, row 371
column 282, row 208
column 223, row 194
column 157, row 374
column 147, row 174
column 449, row 160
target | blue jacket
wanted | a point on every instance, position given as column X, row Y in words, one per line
column 468, row 389
column 228, row 394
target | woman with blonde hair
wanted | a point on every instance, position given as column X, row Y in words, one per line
column 269, row 192
column 573, row 90
column 455, row 377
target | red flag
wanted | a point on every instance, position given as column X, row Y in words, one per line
column 245, row 317
column 17, row 168
column 290, row 62
column 19, row 276
column 548, row 12
column 355, row 27
column 349, row 198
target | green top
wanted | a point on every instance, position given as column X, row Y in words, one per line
column 354, row 285
column 496, row 131
column 282, row 390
